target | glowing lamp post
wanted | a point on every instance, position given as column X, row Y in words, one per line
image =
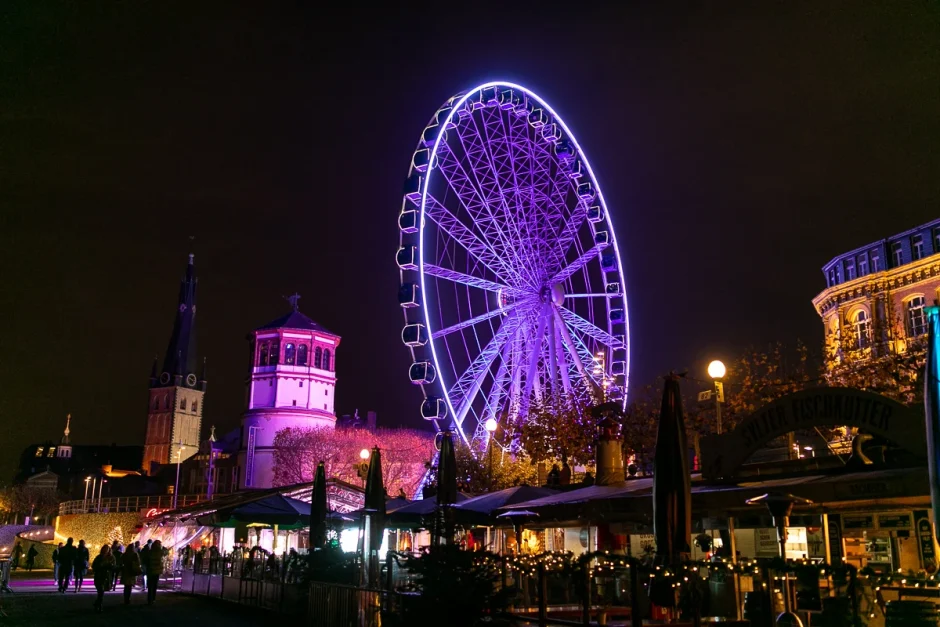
column 362, row 468
column 490, row 425
column 85, row 501
column 716, row 370
column 179, row 461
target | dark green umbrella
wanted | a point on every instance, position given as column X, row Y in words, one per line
column 446, row 488
column 375, row 514
column 318, row 509
column 672, row 483
column 932, row 408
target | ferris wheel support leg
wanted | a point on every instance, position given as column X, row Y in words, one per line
column 563, row 370
column 533, row 364
column 552, row 354
column 573, row 351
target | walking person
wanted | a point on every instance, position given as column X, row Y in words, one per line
column 118, row 554
column 55, row 563
column 81, row 565
column 102, row 570
column 154, row 570
column 31, row 557
column 144, row 562
column 17, row 554
column 66, row 564
column 130, row 571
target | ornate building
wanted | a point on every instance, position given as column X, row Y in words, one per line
column 873, row 305
column 292, row 384
column 174, row 417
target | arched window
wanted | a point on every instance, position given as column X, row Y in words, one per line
column 326, row 360
column 195, row 407
column 263, row 354
column 156, row 403
column 302, row 355
column 275, row 353
column 166, row 401
column 289, row 353
column 862, row 325
column 916, row 319
column 183, row 404
column 317, row 357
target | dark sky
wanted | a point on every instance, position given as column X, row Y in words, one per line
column 739, row 148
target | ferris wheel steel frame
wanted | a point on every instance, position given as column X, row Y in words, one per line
column 522, row 226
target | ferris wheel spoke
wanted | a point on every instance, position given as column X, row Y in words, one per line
column 533, row 354
column 557, row 324
column 589, row 328
column 466, row 279
column 585, row 258
column 468, row 385
column 466, row 238
column 473, row 321
column 580, row 355
column 595, row 295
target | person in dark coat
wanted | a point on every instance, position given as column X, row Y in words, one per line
column 80, row 564
column 55, row 563
column 15, row 558
column 144, row 562
column 118, row 554
column 31, row 557
column 130, row 571
column 154, row 570
column 103, row 571
column 66, row 564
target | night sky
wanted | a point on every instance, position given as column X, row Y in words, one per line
column 738, row 152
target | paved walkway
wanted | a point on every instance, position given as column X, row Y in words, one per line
column 35, row 602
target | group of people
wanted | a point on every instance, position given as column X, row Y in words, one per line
column 113, row 564
column 18, row 553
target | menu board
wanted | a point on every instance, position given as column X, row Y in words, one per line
column 858, row 521
column 894, row 521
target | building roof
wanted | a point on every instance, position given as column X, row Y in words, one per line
column 295, row 320
column 180, row 358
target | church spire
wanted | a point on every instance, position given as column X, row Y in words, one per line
column 180, row 359
column 65, row 434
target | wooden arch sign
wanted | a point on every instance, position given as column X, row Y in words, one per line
column 723, row 455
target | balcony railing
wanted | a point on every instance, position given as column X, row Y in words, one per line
column 120, row 504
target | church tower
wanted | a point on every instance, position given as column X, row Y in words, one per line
column 292, row 384
column 174, row 417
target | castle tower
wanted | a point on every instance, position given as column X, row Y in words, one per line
column 174, row 416
column 292, row 384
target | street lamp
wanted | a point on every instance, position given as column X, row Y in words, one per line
column 364, row 454
column 179, row 461
column 362, row 468
column 716, row 370
column 100, row 492
column 490, row 425
column 85, row 501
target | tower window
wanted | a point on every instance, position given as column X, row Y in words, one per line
column 862, row 325
column 263, row 354
column 195, row 406
column 324, row 405
column 156, row 403
column 289, row 353
column 897, row 254
column 862, row 264
column 317, row 357
column 275, row 353
column 300, row 384
column 302, row 355
column 917, row 247
column 182, row 404
column 295, row 402
column 166, row 401
column 916, row 320
column 326, row 360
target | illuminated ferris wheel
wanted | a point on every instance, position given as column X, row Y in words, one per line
column 512, row 286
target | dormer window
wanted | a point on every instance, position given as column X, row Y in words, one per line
column 862, row 264
column 917, row 247
column 832, row 278
column 849, row 269
column 875, row 261
column 290, row 353
column 302, row 355
column 897, row 254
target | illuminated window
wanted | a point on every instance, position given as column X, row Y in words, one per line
column 849, row 269
column 302, row 355
column 39, row 451
column 182, row 404
column 326, row 360
column 317, row 357
column 862, row 264
column 917, row 247
column 50, row 452
column 263, row 354
column 275, row 353
column 875, row 261
column 195, row 407
column 289, row 353
column 897, row 254
column 916, row 318
column 862, row 326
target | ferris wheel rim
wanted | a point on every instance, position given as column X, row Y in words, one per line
column 456, row 104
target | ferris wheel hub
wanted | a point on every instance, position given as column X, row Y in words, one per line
column 553, row 294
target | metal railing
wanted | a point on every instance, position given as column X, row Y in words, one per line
column 120, row 504
column 335, row 605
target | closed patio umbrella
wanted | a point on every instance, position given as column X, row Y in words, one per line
column 672, row 483
column 374, row 519
column 446, row 488
column 932, row 409
column 318, row 509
